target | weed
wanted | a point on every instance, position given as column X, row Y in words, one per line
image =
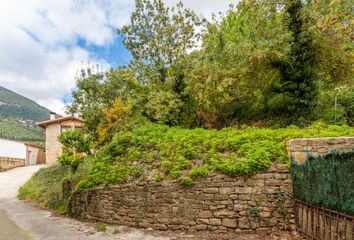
column 100, row 227
column 116, row 230
column 187, row 181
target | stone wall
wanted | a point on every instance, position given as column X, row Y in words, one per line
column 215, row 203
column 300, row 148
column 53, row 147
column 7, row 163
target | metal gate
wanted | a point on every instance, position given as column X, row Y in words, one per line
column 319, row 223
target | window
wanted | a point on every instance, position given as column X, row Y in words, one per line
column 64, row 129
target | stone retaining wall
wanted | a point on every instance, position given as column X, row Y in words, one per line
column 300, row 148
column 215, row 203
column 7, row 163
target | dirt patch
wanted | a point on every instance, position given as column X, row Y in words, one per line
column 172, row 235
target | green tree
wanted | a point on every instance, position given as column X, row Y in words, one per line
column 332, row 27
column 294, row 94
column 232, row 70
column 96, row 89
column 76, row 145
column 159, row 39
column 158, row 36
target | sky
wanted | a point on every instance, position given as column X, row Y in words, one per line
column 43, row 43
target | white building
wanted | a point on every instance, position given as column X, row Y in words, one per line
column 9, row 148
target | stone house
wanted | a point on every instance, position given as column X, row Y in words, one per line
column 53, row 128
column 35, row 154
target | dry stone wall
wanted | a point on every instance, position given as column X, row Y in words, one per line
column 215, row 203
column 7, row 163
column 300, row 148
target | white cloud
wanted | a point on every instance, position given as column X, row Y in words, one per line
column 205, row 7
column 38, row 42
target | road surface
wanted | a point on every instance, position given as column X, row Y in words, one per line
column 22, row 220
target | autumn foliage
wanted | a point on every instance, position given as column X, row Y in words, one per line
column 115, row 116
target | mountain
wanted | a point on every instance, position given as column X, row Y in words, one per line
column 18, row 117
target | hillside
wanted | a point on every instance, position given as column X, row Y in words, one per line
column 18, row 117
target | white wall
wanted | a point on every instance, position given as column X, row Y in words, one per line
column 13, row 149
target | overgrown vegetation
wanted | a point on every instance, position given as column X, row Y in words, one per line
column 158, row 152
column 181, row 112
column 45, row 187
column 260, row 63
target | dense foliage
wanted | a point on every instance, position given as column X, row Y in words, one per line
column 158, row 152
column 265, row 63
column 182, row 111
column 75, row 146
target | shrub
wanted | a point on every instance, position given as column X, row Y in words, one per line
column 172, row 153
column 193, row 153
column 45, row 187
column 201, row 171
column 187, row 181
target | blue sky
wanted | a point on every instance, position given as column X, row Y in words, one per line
column 44, row 43
column 114, row 53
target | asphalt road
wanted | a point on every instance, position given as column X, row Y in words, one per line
column 22, row 220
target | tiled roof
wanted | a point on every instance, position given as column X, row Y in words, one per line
column 44, row 124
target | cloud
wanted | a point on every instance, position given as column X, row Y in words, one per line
column 205, row 7
column 39, row 41
column 40, row 54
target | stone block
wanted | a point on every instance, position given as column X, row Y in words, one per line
column 244, row 223
column 205, row 214
column 224, row 213
column 203, row 221
column 238, row 207
column 211, row 190
column 214, row 221
column 200, row 227
column 226, row 190
column 229, row 222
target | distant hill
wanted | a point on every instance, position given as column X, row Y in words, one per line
column 18, row 117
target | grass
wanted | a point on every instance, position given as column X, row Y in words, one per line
column 100, row 227
column 45, row 187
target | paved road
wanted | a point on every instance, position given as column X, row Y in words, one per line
column 21, row 220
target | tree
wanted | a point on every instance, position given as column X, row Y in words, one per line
column 159, row 39
column 232, row 70
column 95, row 90
column 294, row 94
column 76, row 145
column 116, row 116
column 332, row 27
column 158, row 36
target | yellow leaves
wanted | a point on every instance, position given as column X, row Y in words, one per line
column 334, row 3
column 116, row 115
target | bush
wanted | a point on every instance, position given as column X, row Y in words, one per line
column 191, row 153
column 172, row 153
column 45, row 187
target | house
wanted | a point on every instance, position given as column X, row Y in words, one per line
column 17, row 154
column 35, row 154
column 53, row 128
